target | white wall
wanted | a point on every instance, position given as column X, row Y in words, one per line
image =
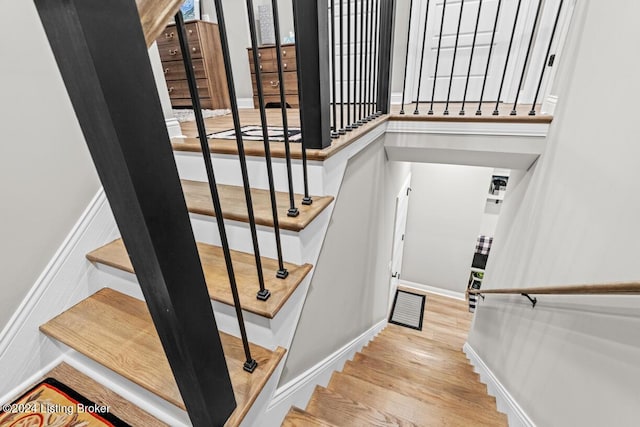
column 349, row 291
column 47, row 178
column 445, row 212
column 574, row 219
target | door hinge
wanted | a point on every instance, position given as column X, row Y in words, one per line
column 402, row 237
column 552, row 59
column 408, row 189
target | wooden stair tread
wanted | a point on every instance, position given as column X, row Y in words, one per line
column 296, row 417
column 419, row 345
column 392, row 402
column 423, row 390
column 344, row 411
column 198, row 198
column 115, row 255
column 116, row 331
column 100, row 395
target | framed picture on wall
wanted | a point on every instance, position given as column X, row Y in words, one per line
column 190, row 10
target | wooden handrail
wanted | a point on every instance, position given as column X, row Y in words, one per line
column 602, row 289
column 154, row 16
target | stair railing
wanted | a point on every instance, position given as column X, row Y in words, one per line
column 623, row 288
column 504, row 19
column 105, row 67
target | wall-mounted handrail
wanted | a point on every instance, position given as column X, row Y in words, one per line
column 598, row 289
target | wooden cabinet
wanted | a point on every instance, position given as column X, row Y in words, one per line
column 207, row 61
column 268, row 64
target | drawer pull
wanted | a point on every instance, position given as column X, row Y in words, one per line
column 261, row 66
column 166, row 70
column 275, row 84
column 194, row 49
column 284, row 65
column 169, row 35
column 190, row 32
column 171, row 89
column 259, row 55
column 173, row 52
column 284, row 53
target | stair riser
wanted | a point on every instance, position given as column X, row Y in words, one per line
column 227, row 171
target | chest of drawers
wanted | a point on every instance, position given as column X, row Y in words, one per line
column 268, row 64
column 206, row 55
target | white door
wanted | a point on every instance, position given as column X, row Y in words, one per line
column 400, row 224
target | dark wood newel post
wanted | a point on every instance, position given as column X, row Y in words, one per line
column 101, row 52
column 311, row 21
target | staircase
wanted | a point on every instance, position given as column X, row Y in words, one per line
column 406, row 377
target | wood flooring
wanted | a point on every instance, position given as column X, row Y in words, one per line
column 116, row 331
column 115, row 255
column 406, row 377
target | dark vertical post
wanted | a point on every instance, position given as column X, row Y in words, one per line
column 282, row 272
column 361, row 77
column 250, row 364
column 349, row 124
column 424, row 43
column 506, row 61
column 376, row 45
column 312, row 52
column 406, row 58
column 486, row 71
column 385, row 56
column 343, row 130
column 544, row 63
column 334, row 107
column 473, row 48
column 369, row 58
column 526, row 57
column 435, row 72
column 453, row 62
column 135, row 163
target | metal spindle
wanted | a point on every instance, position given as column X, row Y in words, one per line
column 342, row 130
column 293, row 211
column 453, row 62
column 250, row 364
column 334, row 106
column 473, row 47
column 435, row 73
column 526, row 57
column 376, row 60
column 406, row 59
column 544, row 64
column 424, row 42
column 369, row 59
column 357, row 109
column 506, row 62
column 349, row 124
column 282, row 271
column 486, row 71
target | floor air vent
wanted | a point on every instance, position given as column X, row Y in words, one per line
column 408, row 310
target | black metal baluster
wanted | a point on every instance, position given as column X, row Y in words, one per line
column 453, row 62
column 369, row 59
column 350, row 126
column 293, row 211
column 250, row 363
column 486, row 71
column 473, row 47
column 376, row 60
column 334, row 106
column 435, row 73
column 361, row 79
column 546, row 56
column 406, row 59
column 424, row 42
column 526, row 58
column 282, row 271
column 506, row 62
column 342, row 129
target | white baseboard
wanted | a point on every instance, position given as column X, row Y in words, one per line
column 173, row 127
column 11, row 395
column 396, row 98
column 504, row 400
column 245, row 103
column 297, row 392
column 64, row 282
column 432, row 289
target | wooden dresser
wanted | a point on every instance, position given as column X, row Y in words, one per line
column 270, row 82
column 206, row 55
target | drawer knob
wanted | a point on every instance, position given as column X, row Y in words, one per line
column 284, row 52
column 284, row 65
column 275, row 84
column 261, row 66
column 259, row 55
column 169, row 35
column 171, row 89
column 166, row 70
column 193, row 49
column 190, row 32
column 173, row 52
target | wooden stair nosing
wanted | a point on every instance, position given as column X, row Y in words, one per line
column 297, row 417
column 395, row 403
column 116, row 331
column 114, row 254
column 418, row 344
column 232, row 199
column 341, row 410
column 422, row 391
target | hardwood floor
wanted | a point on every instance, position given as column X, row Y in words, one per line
column 406, row 377
column 115, row 255
column 116, row 331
